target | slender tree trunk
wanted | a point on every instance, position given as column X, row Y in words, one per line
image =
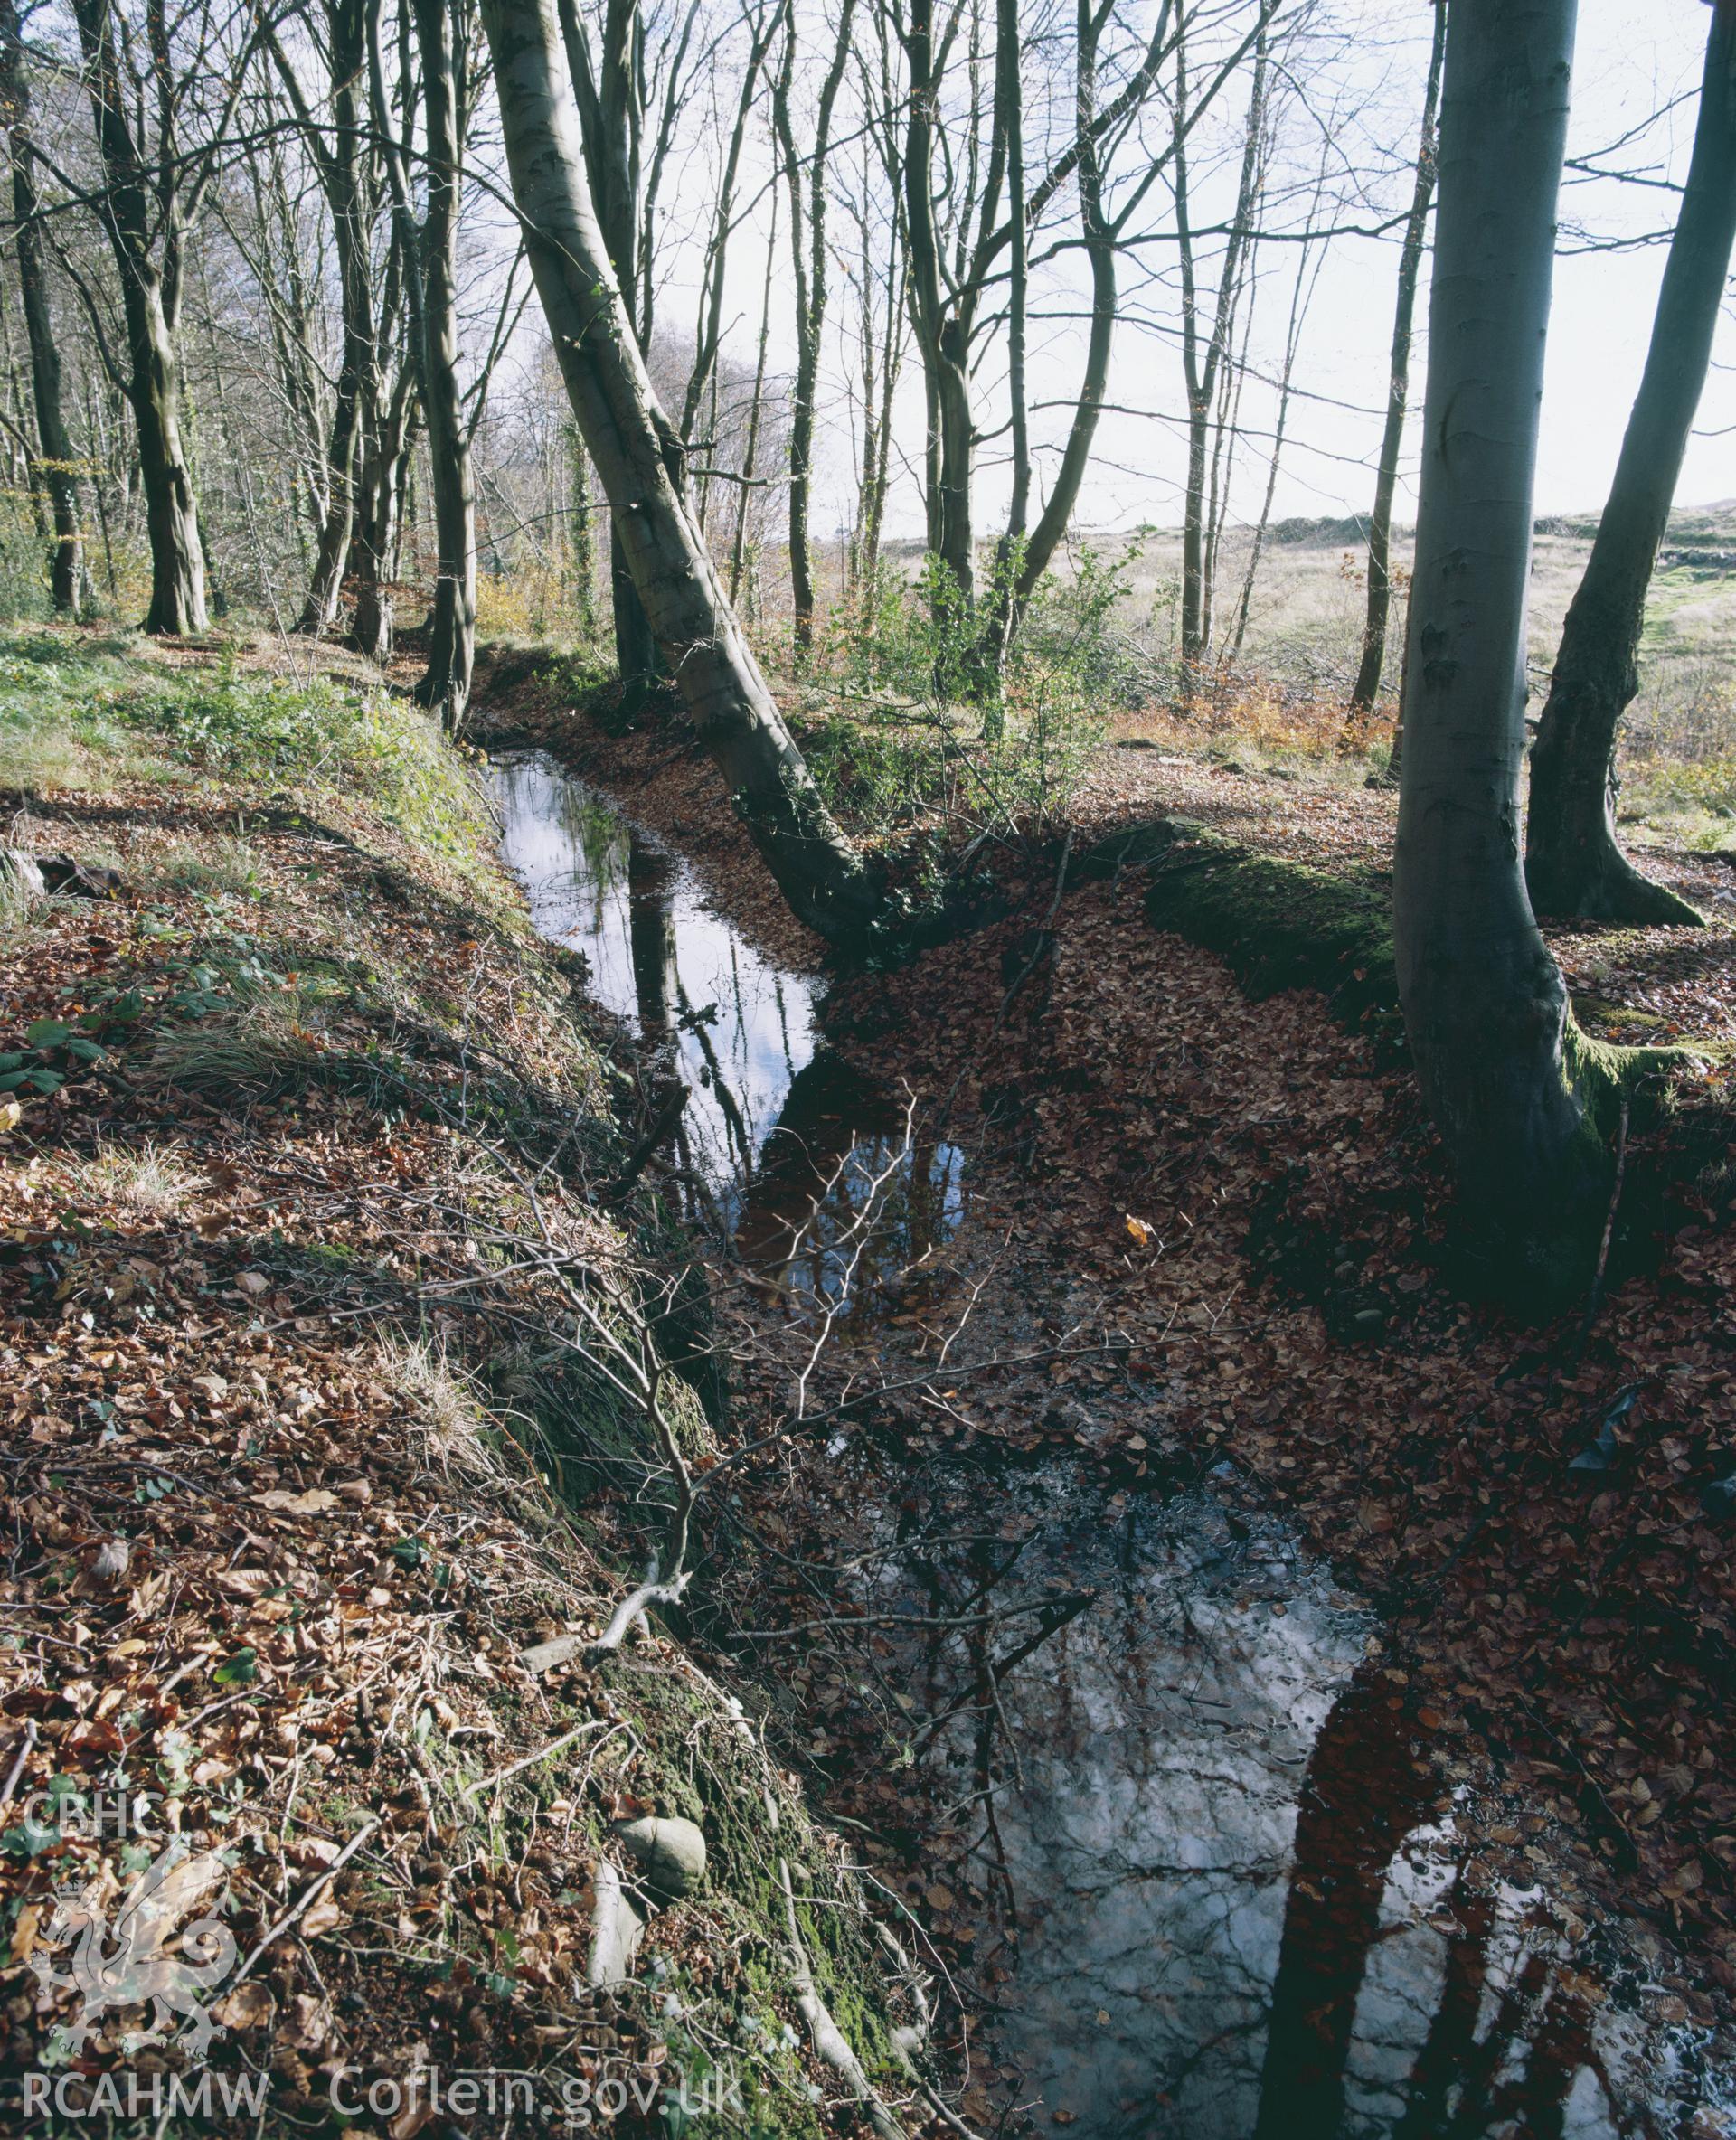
column 1572, row 863
column 808, row 259
column 451, row 653
column 1366, row 689
column 611, row 123
column 1038, row 550
column 137, row 220
column 339, row 164
column 1202, row 370
column 636, row 456
column 1505, row 1075
column 66, row 577
column 375, row 628
column 943, row 332
column 1009, row 552
column 751, row 451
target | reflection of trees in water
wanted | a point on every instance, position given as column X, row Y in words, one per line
column 1130, row 1784
column 651, row 933
column 839, row 1155
column 1364, row 1794
column 1361, row 1795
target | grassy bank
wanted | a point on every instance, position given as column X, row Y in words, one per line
column 312, row 1312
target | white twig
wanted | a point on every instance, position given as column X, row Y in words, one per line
column 830, row 2041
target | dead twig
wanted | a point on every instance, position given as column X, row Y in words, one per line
column 305, row 1901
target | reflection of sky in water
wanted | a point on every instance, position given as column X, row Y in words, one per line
column 575, row 858
column 738, row 1029
column 1241, row 1913
column 1241, row 1910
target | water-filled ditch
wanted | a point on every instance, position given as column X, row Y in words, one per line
column 1235, row 1898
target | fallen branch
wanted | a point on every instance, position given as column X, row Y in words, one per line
column 829, row 2040
column 543, row 1656
column 473, row 1791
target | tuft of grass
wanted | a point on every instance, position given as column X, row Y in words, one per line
column 253, row 1048
column 151, row 1180
column 224, row 864
column 19, row 902
column 445, row 1404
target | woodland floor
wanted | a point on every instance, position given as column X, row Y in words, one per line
column 292, row 1458
column 232, row 1364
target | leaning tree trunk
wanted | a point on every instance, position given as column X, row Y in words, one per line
column 1572, row 864
column 1398, row 393
column 1503, row 1068
column 451, row 653
column 634, row 451
column 67, row 577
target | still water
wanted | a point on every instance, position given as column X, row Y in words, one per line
column 781, row 1146
column 1233, row 1898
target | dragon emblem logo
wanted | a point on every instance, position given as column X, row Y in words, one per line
column 129, row 1963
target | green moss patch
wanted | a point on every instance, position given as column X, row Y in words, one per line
column 1276, row 924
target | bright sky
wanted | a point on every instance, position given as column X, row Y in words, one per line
column 1367, row 63
column 1634, row 56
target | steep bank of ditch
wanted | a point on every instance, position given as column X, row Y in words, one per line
column 321, row 1303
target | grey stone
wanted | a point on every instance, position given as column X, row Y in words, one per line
column 22, row 870
column 671, row 1852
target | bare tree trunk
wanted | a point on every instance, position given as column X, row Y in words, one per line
column 68, row 580
column 1202, row 371
column 339, row 164
column 1572, row 863
column 136, row 216
column 1366, row 689
column 636, row 456
column 374, row 627
column 1505, row 1075
column 611, row 102
column 1009, row 553
column 1100, row 240
column 942, row 320
column 452, row 647
column 809, row 258
column 751, row 451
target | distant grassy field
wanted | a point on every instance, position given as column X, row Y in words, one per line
column 1303, row 633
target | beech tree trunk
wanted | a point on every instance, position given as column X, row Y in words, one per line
column 611, row 132
column 1506, row 1076
column 942, row 322
column 451, row 653
column 1572, row 863
column 808, row 257
column 137, row 219
column 1367, row 687
column 66, row 574
column 636, row 456
column 338, row 162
